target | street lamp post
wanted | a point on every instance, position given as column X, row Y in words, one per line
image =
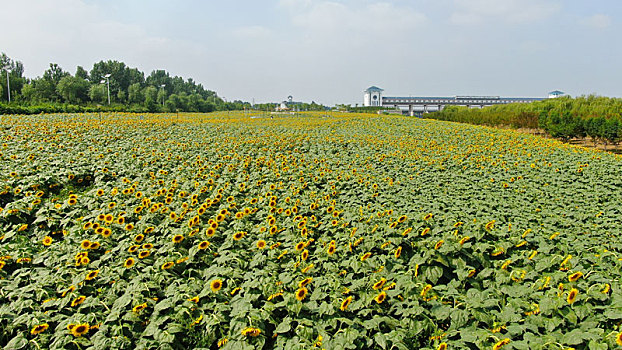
column 162, row 87
column 107, row 81
column 8, row 86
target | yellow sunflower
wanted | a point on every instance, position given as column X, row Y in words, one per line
column 91, row 275
column 500, row 344
column 129, row 262
column 575, row 276
column 216, row 285
column 398, row 252
column 572, row 295
column 379, row 284
column 251, row 332
column 380, row 297
column 305, row 282
column 77, row 301
column 345, row 303
column 85, row 244
column 139, row 307
column 301, row 293
column 80, row 329
column 47, row 241
column 40, row 328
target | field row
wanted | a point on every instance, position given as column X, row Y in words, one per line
column 342, row 231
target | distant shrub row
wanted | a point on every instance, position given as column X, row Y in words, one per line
column 65, row 108
column 599, row 118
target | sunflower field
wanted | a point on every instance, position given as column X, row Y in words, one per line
column 353, row 231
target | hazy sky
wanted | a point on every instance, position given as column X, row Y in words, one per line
column 330, row 51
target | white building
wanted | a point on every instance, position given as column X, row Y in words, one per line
column 372, row 97
column 556, row 94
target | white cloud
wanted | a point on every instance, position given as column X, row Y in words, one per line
column 252, row 32
column 598, row 21
column 72, row 33
column 356, row 25
column 469, row 12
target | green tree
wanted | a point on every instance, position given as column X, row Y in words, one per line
column 82, row 73
column 135, row 94
column 52, row 77
column 151, row 96
column 98, row 93
column 16, row 79
column 162, row 96
column 43, row 90
column 73, row 89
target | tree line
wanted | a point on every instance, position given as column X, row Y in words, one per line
column 126, row 88
column 596, row 117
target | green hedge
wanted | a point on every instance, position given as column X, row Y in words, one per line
column 565, row 118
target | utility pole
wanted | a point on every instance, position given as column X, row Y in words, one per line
column 162, row 87
column 107, row 81
column 8, row 86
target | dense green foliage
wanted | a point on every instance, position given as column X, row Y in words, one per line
column 59, row 91
column 566, row 118
column 351, row 232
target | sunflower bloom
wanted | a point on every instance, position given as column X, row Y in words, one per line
column 575, row 276
column 40, row 328
column 77, row 301
column 398, row 252
column 331, row 249
column 301, row 293
column 129, row 262
column 216, row 285
column 47, row 241
column 305, row 282
column 345, row 303
column 91, row 275
column 464, row 240
column 500, row 344
column 139, row 307
column 85, row 244
column 572, row 296
column 382, row 296
column 379, row 284
column 80, row 329
column 425, row 290
column 251, row 332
